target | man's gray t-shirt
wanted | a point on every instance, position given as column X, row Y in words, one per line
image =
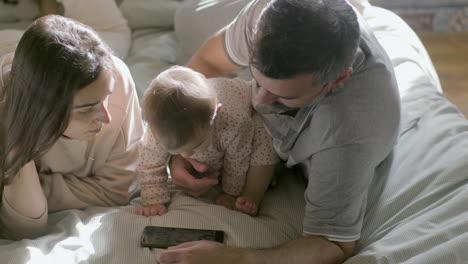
column 340, row 140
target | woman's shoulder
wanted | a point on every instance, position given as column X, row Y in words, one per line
column 124, row 90
column 123, row 98
column 123, row 107
column 122, row 74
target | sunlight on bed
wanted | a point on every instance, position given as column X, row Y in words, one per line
column 410, row 75
column 72, row 249
column 205, row 4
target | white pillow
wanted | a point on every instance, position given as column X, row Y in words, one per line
column 197, row 20
column 25, row 10
column 360, row 5
column 149, row 13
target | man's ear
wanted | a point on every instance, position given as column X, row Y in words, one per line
column 342, row 79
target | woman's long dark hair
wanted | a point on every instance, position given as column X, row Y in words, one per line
column 55, row 58
column 2, row 154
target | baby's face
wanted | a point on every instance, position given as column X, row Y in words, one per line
column 200, row 143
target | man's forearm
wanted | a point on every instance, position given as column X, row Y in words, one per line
column 307, row 249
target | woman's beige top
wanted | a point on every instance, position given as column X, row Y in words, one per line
column 99, row 172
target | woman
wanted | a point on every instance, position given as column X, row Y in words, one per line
column 72, row 123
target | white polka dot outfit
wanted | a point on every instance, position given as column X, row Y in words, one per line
column 238, row 141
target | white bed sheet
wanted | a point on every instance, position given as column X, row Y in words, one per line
column 417, row 211
column 112, row 235
column 417, row 207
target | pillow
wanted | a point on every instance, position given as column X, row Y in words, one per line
column 149, row 13
column 25, row 10
column 360, row 5
column 197, row 20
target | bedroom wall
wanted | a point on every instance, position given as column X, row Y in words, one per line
column 430, row 15
column 442, row 26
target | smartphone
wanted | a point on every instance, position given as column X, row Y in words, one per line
column 164, row 237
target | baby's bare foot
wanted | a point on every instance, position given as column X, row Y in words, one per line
column 226, row 200
column 246, row 206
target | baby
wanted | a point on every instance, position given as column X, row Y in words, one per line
column 211, row 121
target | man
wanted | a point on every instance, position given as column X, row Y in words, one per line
column 328, row 96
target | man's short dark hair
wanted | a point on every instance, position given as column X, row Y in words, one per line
column 305, row 36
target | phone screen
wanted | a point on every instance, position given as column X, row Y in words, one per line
column 164, row 237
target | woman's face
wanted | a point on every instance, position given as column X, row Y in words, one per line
column 90, row 108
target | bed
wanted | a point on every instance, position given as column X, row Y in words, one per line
column 417, row 210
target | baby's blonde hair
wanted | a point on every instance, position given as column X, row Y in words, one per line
column 178, row 105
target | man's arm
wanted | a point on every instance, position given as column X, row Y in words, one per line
column 211, row 58
column 307, row 249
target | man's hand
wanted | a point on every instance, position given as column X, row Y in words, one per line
column 303, row 250
column 181, row 176
column 150, row 210
column 197, row 252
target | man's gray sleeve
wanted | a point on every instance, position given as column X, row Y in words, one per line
column 337, row 189
column 238, row 34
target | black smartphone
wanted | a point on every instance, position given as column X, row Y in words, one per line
column 164, row 237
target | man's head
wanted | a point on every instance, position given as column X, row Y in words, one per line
column 180, row 107
column 314, row 39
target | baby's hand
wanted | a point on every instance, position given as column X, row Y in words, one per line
column 154, row 209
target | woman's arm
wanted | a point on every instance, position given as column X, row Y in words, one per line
column 24, row 194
